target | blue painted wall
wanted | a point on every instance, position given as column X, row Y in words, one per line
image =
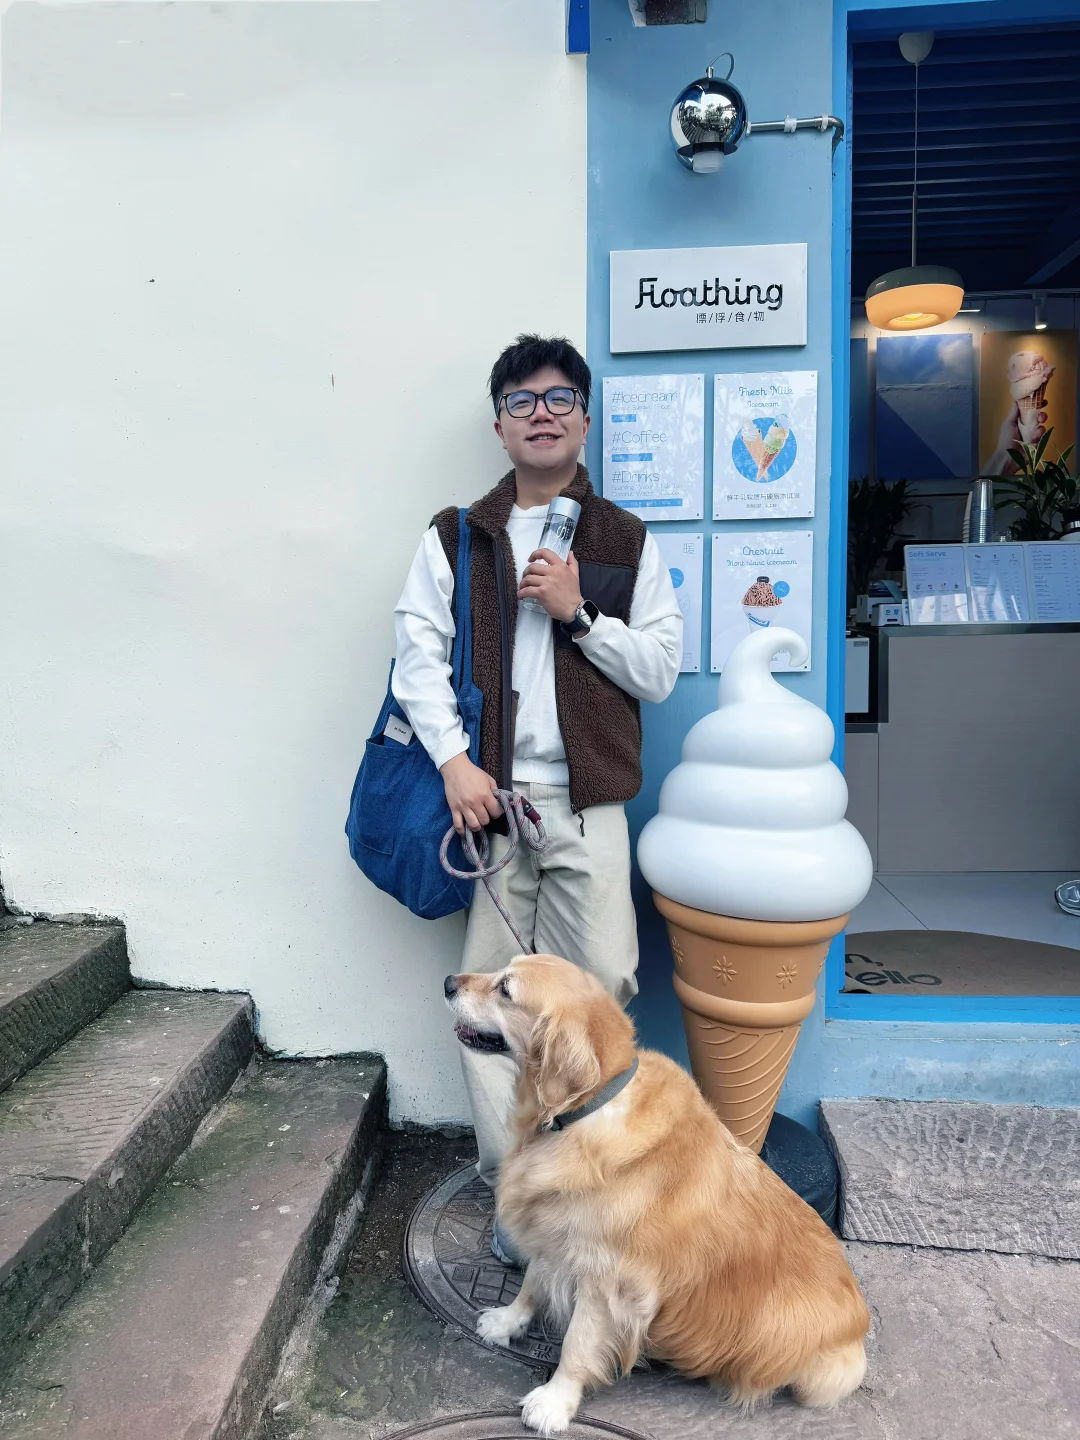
column 776, row 188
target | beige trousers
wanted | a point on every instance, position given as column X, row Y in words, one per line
column 573, row 900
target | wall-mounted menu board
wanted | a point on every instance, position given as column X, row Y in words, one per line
column 993, row 584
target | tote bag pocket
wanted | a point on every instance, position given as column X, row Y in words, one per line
column 384, row 786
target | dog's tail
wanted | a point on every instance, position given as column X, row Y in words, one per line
column 831, row 1375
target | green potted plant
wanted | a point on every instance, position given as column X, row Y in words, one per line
column 876, row 510
column 1042, row 490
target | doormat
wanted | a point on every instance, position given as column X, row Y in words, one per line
column 954, row 962
column 448, row 1262
column 508, row 1427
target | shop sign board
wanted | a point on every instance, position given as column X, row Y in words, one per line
column 708, row 298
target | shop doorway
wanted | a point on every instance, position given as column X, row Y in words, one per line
column 958, row 734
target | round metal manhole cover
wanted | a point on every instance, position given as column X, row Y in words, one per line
column 449, row 1263
column 507, row 1427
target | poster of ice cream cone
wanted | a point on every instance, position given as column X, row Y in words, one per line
column 761, row 578
column 764, row 445
column 1027, row 385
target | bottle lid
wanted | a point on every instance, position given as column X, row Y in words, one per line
column 563, row 505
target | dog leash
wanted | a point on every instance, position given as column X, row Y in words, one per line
column 524, row 825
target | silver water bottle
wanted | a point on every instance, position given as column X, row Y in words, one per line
column 558, row 534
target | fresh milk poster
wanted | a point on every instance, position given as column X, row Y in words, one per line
column 761, row 578
column 764, row 445
column 683, row 555
column 654, row 445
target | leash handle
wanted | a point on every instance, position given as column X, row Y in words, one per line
column 525, row 825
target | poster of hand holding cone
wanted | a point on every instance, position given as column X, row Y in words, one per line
column 1027, row 386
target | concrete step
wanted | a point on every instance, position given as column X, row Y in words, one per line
column 177, row 1334
column 54, row 979
column 958, row 1175
column 89, row 1132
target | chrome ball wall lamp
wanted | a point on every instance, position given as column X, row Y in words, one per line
column 709, row 120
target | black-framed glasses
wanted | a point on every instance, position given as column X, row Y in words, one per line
column 559, row 400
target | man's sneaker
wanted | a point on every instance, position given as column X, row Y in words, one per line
column 504, row 1250
column 1068, row 897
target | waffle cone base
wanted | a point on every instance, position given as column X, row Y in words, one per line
column 745, row 987
column 1029, row 405
column 740, row 1072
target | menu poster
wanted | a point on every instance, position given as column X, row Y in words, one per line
column 997, row 583
column 654, row 445
column 682, row 554
column 761, row 578
column 1054, row 570
column 764, row 445
column 936, row 584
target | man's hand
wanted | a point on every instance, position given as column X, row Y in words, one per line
column 469, row 793
column 555, row 584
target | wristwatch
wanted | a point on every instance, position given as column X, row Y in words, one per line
column 582, row 623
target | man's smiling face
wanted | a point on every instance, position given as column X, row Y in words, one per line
column 542, row 441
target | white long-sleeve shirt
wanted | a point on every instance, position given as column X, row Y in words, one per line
column 642, row 657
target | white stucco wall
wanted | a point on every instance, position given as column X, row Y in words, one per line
column 255, row 262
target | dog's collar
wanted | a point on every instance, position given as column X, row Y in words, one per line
column 599, row 1100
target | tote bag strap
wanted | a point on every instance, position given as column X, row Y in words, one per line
column 462, row 662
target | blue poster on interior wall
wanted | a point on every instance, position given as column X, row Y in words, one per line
column 924, row 407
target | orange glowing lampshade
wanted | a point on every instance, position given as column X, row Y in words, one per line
column 918, row 297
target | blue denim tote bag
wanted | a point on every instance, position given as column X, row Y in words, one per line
column 398, row 814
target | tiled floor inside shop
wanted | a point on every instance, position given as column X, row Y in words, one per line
column 1020, row 906
column 988, row 933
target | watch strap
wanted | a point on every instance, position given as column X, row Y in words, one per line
column 576, row 626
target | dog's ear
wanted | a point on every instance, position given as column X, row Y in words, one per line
column 566, row 1064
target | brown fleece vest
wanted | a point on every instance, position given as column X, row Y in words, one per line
column 600, row 723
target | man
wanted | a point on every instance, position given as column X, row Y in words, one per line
column 561, row 687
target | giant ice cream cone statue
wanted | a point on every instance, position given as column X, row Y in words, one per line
column 754, row 868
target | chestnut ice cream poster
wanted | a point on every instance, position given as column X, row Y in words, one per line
column 761, row 578
column 764, row 445
column 1027, row 384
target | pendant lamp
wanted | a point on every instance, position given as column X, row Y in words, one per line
column 918, row 297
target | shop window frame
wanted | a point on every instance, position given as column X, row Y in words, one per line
column 866, row 20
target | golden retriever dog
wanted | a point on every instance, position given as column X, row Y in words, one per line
column 649, row 1230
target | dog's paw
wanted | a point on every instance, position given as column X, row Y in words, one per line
column 500, row 1325
column 549, row 1408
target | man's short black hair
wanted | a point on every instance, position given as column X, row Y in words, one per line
column 530, row 353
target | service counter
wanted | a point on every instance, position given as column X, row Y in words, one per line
column 968, row 755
